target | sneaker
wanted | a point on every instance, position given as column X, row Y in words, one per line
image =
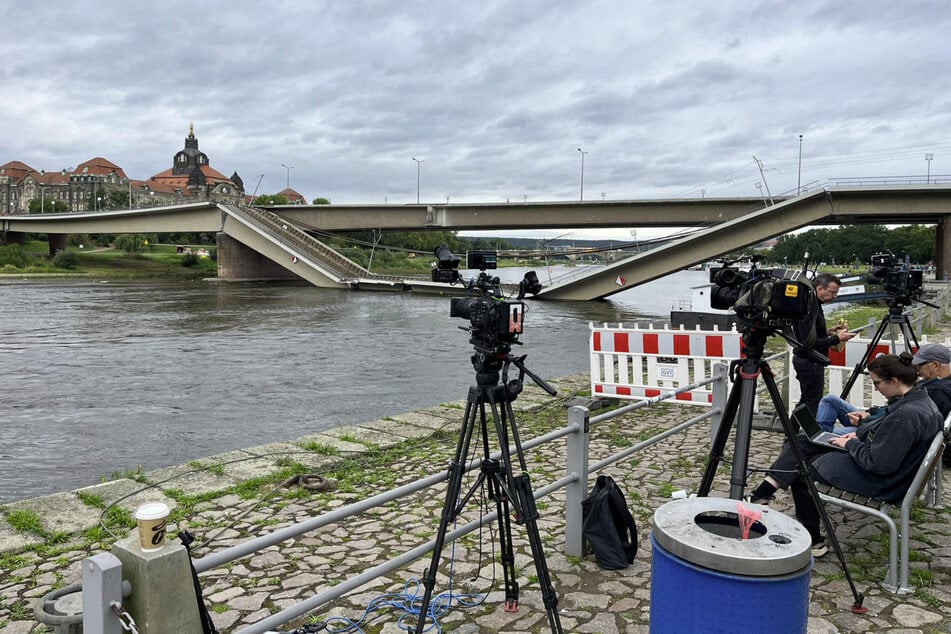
column 819, row 549
column 756, row 500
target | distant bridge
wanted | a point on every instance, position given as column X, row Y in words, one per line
column 274, row 243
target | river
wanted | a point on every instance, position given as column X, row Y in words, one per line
column 104, row 376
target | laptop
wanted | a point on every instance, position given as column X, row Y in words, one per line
column 804, row 417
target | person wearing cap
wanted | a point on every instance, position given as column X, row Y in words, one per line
column 933, row 363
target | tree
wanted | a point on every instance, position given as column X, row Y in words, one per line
column 47, row 205
column 266, row 200
column 321, row 201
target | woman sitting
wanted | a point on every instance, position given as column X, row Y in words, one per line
column 880, row 458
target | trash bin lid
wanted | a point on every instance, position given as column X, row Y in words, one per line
column 705, row 531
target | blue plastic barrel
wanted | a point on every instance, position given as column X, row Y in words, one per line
column 705, row 578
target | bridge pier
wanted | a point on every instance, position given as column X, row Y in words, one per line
column 236, row 262
column 57, row 242
column 14, row 237
column 942, row 258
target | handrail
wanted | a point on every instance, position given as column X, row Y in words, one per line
column 574, row 477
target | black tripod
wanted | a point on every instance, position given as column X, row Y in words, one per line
column 894, row 320
column 744, row 372
column 504, row 487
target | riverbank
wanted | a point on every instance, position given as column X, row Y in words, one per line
column 232, row 497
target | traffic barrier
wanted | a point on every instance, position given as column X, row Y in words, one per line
column 636, row 363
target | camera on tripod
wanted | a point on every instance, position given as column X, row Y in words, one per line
column 768, row 299
column 894, row 276
column 495, row 322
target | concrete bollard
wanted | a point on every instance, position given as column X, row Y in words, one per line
column 163, row 594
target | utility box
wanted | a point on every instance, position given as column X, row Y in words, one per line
column 706, row 578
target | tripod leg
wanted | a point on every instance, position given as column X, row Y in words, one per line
column 860, row 366
column 529, row 516
column 909, row 334
column 519, row 493
column 719, row 442
column 748, row 372
column 457, row 469
column 506, row 549
column 804, row 473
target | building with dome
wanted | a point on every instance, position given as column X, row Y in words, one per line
column 101, row 184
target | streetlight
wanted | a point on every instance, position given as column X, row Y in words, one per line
column 799, row 178
column 928, row 158
column 288, row 168
column 418, row 162
column 582, row 172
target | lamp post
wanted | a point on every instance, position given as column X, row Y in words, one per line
column 582, row 172
column 799, row 178
column 418, row 163
column 288, row 168
column 928, row 158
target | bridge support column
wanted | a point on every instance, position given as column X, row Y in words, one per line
column 942, row 258
column 14, row 237
column 57, row 242
column 237, row 262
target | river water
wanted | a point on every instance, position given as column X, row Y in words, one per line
column 104, row 376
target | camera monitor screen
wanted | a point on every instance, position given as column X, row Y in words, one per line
column 482, row 260
column 516, row 315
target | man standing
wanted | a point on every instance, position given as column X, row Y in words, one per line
column 809, row 373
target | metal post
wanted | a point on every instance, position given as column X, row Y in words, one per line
column 721, row 390
column 576, row 464
column 582, row 172
column 799, row 178
column 102, row 585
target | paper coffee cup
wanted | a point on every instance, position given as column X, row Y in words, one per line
column 152, row 519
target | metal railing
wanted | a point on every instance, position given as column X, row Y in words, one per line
column 575, row 482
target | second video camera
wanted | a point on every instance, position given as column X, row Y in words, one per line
column 895, row 277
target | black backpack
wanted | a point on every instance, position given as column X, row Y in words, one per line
column 608, row 525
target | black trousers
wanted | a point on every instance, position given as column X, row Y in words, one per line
column 811, row 377
column 786, row 471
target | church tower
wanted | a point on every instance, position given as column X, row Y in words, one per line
column 189, row 158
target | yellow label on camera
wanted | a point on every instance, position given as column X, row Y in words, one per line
column 792, row 290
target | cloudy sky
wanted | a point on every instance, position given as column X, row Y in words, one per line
column 667, row 99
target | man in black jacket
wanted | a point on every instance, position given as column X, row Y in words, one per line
column 809, row 373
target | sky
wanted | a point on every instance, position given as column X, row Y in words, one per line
column 497, row 101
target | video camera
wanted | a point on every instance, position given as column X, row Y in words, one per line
column 495, row 322
column 894, row 276
column 768, row 299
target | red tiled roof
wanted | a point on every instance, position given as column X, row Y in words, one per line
column 16, row 170
column 211, row 174
column 291, row 195
column 52, row 178
column 99, row 165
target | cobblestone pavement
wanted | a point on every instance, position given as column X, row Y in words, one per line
column 590, row 599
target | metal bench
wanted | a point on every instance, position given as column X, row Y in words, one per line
column 927, row 480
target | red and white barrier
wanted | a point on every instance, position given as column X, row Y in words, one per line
column 637, row 363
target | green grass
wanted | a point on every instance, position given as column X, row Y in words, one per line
column 26, row 522
column 91, row 499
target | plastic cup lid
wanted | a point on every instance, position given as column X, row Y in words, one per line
column 152, row 511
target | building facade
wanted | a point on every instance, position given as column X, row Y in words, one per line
column 100, row 184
